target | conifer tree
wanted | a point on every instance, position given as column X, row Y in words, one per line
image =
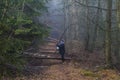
column 18, row 30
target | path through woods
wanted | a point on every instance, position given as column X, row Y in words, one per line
column 86, row 68
column 69, row 18
column 71, row 71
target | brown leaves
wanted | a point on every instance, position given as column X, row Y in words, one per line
column 69, row 71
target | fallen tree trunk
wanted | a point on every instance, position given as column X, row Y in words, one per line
column 37, row 57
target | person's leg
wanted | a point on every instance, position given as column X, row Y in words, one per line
column 62, row 56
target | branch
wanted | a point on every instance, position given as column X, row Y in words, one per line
column 93, row 22
column 9, row 66
column 94, row 6
column 4, row 10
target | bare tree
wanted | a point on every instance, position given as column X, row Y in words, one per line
column 87, row 37
column 92, row 22
column 108, row 34
column 117, row 47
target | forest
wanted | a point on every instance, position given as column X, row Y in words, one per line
column 59, row 39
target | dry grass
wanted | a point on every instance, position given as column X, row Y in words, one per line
column 68, row 71
column 82, row 68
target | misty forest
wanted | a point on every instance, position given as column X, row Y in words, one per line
column 59, row 39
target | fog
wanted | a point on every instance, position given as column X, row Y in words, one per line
column 54, row 18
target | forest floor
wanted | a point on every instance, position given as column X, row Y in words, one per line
column 76, row 69
column 82, row 66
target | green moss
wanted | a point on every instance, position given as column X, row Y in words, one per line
column 89, row 73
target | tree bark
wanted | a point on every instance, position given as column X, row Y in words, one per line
column 87, row 38
column 108, row 34
column 117, row 47
column 95, row 28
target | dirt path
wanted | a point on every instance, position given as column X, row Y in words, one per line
column 83, row 68
column 70, row 71
column 63, row 71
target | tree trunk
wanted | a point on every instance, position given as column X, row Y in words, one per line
column 95, row 28
column 108, row 34
column 87, row 38
column 117, row 47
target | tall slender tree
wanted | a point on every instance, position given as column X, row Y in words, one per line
column 108, row 34
column 95, row 29
column 117, row 47
column 87, row 38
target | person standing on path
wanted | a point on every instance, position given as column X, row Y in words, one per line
column 61, row 48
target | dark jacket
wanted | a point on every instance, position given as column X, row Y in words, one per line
column 61, row 46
